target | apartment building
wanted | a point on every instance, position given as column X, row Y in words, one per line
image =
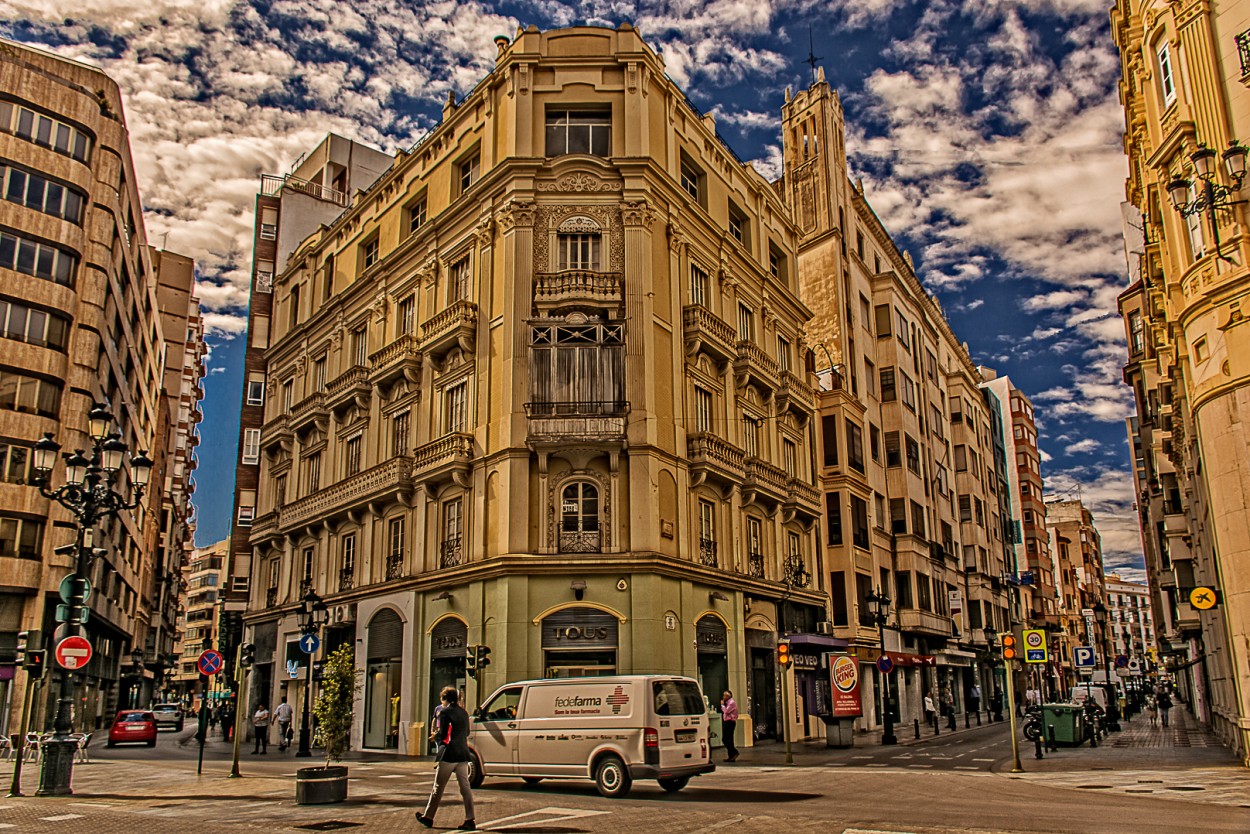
column 542, row 387
column 1132, row 624
column 910, row 467
column 201, row 599
column 1076, row 548
column 83, row 324
column 1187, row 114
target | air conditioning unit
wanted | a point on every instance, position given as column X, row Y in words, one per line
column 344, row 614
column 824, row 627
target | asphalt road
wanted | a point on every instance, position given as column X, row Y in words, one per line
column 942, row 786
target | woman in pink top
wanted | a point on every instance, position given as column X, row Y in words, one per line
column 729, row 723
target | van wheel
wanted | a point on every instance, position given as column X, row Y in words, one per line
column 476, row 776
column 674, row 783
column 531, row 780
column 611, row 778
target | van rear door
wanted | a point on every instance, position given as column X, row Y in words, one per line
column 680, row 713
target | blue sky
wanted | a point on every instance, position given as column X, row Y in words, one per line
column 987, row 134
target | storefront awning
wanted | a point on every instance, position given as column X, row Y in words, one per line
column 820, row 642
column 901, row 659
column 954, row 657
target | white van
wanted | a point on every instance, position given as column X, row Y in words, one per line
column 612, row 730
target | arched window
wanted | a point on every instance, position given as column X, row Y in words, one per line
column 579, row 518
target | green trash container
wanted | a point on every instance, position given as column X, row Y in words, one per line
column 1069, row 722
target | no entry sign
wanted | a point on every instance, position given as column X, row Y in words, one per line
column 73, row 652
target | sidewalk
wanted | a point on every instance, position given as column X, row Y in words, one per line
column 1183, row 761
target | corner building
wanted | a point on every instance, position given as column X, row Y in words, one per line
column 1186, row 84
column 543, row 387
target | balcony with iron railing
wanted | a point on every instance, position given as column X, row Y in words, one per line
column 394, row 566
column 706, row 332
column 454, row 327
column 271, row 597
column 347, row 579
column 579, row 541
column 273, row 186
column 305, row 586
column 450, row 458
column 1243, row 54
column 309, row 411
column 755, row 565
column 752, row 364
column 554, row 424
column 707, row 553
column 796, row 395
column 575, row 288
column 391, row 478
column 712, row 458
column 401, row 358
column 349, row 388
column 449, row 553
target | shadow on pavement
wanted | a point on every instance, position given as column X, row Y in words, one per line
column 691, row 794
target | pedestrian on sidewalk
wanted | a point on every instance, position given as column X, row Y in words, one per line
column 948, row 707
column 974, row 701
column 1152, row 709
column 930, row 712
column 996, row 703
column 452, row 731
column 284, row 714
column 729, row 724
column 1164, row 700
column 260, row 728
column 227, row 722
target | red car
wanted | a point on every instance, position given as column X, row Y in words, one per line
column 133, row 726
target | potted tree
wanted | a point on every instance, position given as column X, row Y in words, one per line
column 333, row 711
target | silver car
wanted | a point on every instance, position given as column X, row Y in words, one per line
column 168, row 716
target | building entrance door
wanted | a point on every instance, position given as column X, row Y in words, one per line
column 763, row 693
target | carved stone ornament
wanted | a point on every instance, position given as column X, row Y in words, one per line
column 580, row 182
column 378, row 308
column 676, row 236
column 516, row 213
column 637, row 214
column 485, row 231
column 428, row 272
column 579, row 223
column 608, row 218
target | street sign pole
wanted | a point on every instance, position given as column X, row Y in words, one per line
column 240, row 677
column 1011, row 709
column 15, row 789
column 206, row 683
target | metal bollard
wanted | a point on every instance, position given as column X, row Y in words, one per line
column 1054, row 745
column 966, row 720
column 978, row 718
column 1037, row 747
column 916, row 721
column 937, row 720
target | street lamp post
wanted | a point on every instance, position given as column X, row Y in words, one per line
column 136, row 662
column 91, row 494
column 1113, row 698
column 879, row 608
column 1212, row 194
column 313, row 614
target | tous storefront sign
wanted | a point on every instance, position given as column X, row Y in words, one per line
column 580, row 627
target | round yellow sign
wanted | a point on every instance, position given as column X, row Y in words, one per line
column 1202, row 598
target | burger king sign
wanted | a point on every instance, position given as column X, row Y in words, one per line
column 844, row 677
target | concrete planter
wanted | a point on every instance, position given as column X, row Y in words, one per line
column 320, row 785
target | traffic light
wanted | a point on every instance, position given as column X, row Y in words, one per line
column 470, row 661
column 1010, row 650
column 483, row 657
column 783, row 654
column 247, row 655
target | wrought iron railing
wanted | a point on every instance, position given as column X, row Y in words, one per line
column 602, row 408
column 755, row 565
column 449, row 553
column 271, row 597
column 585, row 541
column 707, row 552
column 394, row 566
column 796, row 572
column 1243, row 51
column 305, row 586
column 347, row 579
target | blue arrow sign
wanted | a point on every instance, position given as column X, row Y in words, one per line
column 309, row 643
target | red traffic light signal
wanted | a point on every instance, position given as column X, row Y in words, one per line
column 783, row 653
column 1010, row 650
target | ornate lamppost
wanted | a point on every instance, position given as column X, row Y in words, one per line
column 313, row 614
column 879, row 609
column 1212, row 194
column 1113, row 696
column 92, row 492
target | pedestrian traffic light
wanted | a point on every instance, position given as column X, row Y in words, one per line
column 483, row 657
column 470, row 661
column 783, row 654
column 247, row 655
column 1010, row 650
column 35, row 662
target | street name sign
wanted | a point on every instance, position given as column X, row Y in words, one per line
column 1035, row 650
column 73, row 652
column 210, row 662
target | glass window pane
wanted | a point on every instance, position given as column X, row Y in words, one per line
column 43, row 131
column 26, row 257
column 16, row 327
column 49, row 399
column 32, row 534
column 36, row 327
column 8, row 250
column 8, row 536
column 17, row 186
column 25, row 123
column 44, row 262
column 35, row 189
column 16, row 471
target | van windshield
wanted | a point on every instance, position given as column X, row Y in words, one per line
column 678, row 698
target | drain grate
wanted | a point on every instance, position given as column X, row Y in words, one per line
column 1184, row 788
column 329, row 825
column 1094, row 787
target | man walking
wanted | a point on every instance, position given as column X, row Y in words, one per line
column 283, row 713
column 260, row 727
column 451, row 730
column 729, row 724
column 974, row 701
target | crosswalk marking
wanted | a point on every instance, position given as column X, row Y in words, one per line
column 555, row 814
column 62, row 817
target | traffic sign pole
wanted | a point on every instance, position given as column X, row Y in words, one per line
column 1016, row 767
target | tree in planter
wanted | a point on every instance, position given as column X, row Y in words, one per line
column 336, row 703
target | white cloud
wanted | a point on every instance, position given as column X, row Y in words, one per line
column 1089, row 444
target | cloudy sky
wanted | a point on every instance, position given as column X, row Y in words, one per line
column 987, row 134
